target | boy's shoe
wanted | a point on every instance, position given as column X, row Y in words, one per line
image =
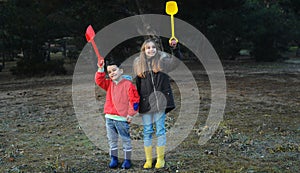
column 126, row 164
column 114, row 158
column 114, row 162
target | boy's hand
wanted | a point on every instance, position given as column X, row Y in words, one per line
column 129, row 119
column 100, row 63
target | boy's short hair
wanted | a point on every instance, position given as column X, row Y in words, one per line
column 111, row 61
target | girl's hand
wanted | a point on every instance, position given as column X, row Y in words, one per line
column 129, row 119
column 173, row 43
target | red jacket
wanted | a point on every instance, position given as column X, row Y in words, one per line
column 121, row 99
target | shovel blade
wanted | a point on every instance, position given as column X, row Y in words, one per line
column 90, row 33
column 171, row 8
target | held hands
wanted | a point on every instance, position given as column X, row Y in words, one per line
column 129, row 119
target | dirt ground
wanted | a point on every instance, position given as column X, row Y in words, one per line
column 260, row 132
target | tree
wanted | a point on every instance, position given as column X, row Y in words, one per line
column 265, row 27
column 269, row 29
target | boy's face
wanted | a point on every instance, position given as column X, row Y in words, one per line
column 150, row 49
column 114, row 72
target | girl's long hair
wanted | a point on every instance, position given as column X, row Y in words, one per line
column 140, row 64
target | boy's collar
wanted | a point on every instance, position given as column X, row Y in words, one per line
column 128, row 77
column 118, row 81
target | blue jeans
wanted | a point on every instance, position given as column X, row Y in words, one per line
column 159, row 120
column 115, row 129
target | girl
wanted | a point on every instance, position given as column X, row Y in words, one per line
column 156, row 97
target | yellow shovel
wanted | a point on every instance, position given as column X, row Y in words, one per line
column 171, row 9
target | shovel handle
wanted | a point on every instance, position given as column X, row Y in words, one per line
column 100, row 58
column 173, row 31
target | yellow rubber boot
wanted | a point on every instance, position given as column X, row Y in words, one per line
column 160, row 163
column 148, row 153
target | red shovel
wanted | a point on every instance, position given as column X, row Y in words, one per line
column 89, row 35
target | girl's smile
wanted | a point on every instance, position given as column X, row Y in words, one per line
column 150, row 49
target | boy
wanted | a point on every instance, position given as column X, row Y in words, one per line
column 121, row 104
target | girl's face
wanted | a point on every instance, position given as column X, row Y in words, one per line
column 114, row 72
column 150, row 49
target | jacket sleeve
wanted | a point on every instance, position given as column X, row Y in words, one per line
column 138, row 84
column 134, row 100
column 170, row 63
column 101, row 80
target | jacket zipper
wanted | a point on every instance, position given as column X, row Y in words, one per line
column 152, row 80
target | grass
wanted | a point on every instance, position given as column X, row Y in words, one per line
column 260, row 132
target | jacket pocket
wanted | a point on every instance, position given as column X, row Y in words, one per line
column 169, row 99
